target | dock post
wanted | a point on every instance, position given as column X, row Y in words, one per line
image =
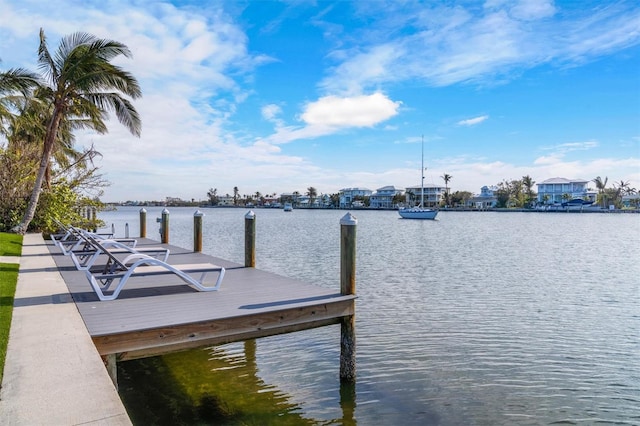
column 110, row 362
column 250, row 239
column 164, row 227
column 348, row 287
column 197, row 231
column 143, row 223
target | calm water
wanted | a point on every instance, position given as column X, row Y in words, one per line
column 474, row 319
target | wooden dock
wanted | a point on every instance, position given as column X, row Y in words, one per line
column 161, row 314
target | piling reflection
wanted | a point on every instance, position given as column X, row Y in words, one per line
column 212, row 386
column 348, row 403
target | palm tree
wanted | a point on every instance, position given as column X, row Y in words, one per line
column 28, row 129
column 236, row 193
column 528, row 183
column 83, row 84
column 623, row 187
column 312, row 193
column 545, row 199
column 447, row 178
column 16, row 86
column 600, row 186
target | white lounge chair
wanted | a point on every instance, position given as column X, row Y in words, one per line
column 87, row 253
column 73, row 239
column 118, row 272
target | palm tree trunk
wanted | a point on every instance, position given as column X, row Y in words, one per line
column 49, row 141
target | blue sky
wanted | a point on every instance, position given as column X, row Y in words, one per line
column 279, row 96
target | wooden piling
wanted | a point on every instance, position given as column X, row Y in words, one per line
column 110, row 362
column 250, row 239
column 143, row 223
column 348, row 287
column 197, row 231
column 164, row 227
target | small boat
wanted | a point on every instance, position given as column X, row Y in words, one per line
column 288, row 207
column 577, row 202
column 419, row 212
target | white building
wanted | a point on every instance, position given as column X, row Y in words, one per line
column 383, row 197
column 486, row 200
column 552, row 191
column 348, row 196
column 433, row 194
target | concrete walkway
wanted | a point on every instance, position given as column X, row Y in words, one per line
column 53, row 374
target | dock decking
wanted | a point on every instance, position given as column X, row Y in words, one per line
column 160, row 314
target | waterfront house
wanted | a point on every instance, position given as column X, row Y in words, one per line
column 631, row 201
column 557, row 190
column 348, row 196
column 433, row 194
column 225, row 200
column 383, row 197
column 486, row 199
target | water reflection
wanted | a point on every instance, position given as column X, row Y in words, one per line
column 205, row 386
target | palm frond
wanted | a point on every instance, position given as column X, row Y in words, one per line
column 46, row 64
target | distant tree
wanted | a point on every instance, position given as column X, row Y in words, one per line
column 460, row 198
column 312, row 193
column 601, row 186
column 213, row 196
column 447, row 178
column 236, row 193
column 545, row 199
column 622, row 187
column 528, row 182
column 398, row 199
column 517, row 193
column 335, row 200
column 503, row 194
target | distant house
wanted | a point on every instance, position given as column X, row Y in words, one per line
column 348, row 196
column 557, row 190
column 631, row 201
column 304, row 201
column 433, row 194
column 486, row 199
column 383, row 197
column 225, row 200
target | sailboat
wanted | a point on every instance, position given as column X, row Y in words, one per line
column 419, row 212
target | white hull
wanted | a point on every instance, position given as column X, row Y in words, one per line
column 418, row 213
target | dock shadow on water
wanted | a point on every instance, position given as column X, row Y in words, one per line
column 212, row 386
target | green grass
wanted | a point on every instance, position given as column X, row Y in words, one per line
column 8, row 281
column 10, row 245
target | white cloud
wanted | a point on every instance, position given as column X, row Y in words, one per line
column 333, row 114
column 454, row 44
column 270, row 112
column 473, row 121
column 356, row 111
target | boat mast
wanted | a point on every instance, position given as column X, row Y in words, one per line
column 422, row 174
